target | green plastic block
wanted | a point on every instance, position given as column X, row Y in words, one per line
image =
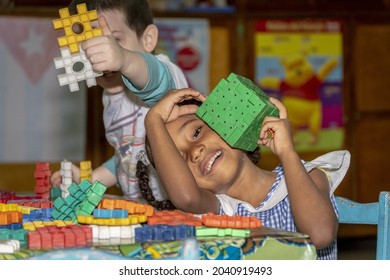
column 99, row 188
column 236, row 109
column 55, row 192
column 85, row 185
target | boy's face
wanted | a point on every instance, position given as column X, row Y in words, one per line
column 214, row 164
column 127, row 38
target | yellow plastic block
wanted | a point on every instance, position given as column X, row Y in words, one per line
column 29, row 226
column 77, row 27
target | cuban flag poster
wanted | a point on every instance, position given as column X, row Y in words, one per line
column 39, row 119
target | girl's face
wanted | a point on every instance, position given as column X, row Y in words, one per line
column 127, row 39
column 214, row 164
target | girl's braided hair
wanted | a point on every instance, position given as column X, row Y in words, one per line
column 143, row 174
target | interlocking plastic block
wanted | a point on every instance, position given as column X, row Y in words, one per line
column 110, row 213
column 236, row 109
column 220, row 232
column 6, row 195
column 9, row 246
column 113, row 235
column 130, row 220
column 77, row 68
column 131, row 206
column 10, row 217
column 163, row 232
column 15, row 234
column 225, row 221
column 77, row 28
column 67, row 208
column 174, row 217
column 53, row 237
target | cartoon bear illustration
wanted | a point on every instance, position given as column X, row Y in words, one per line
column 300, row 92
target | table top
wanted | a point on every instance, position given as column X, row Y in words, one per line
column 262, row 244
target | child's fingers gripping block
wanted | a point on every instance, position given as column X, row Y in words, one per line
column 235, row 109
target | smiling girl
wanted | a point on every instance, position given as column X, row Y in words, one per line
column 201, row 173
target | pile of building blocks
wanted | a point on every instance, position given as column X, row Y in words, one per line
column 236, row 109
column 81, row 201
column 77, row 28
column 85, row 218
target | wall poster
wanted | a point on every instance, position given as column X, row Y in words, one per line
column 186, row 43
column 301, row 63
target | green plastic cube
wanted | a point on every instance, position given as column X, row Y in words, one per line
column 236, row 109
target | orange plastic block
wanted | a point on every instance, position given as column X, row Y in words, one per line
column 131, row 206
column 173, row 218
column 10, row 217
column 78, row 27
column 225, row 221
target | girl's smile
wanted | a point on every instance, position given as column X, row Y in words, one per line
column 210, row 163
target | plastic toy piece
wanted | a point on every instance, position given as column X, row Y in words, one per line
column 130, row 220
column 82, row 200
column 53, row 237
column 220, row 232
column 163, row 233
column 33, row 203
column 42, row 180
column 10, row 217
column 236, row 109
column 66, row 177
column 131, row 206
column 9, row 246
column 77, row 68
column 225, row 221
column 78, row 27
column 6, row 195
column 110, row 213
column 17, row 234
column 33, row 225
column 85, row 170
column 113, row 235
column 173, row 218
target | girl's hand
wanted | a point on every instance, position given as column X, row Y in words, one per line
column 169, row 110
column 275, row 132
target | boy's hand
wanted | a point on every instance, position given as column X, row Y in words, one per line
column 56, row 178
column 280, row 128
column 168, row 108
column 104, row 52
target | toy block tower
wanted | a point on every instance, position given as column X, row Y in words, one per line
column 42, row 175
column 236, row 109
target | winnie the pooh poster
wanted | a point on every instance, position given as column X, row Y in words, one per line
column 300, row 62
